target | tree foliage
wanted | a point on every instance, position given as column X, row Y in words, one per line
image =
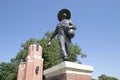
column 8, row 71
column 105, row 77
column 51, row 55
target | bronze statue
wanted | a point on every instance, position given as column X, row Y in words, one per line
column 64, row 31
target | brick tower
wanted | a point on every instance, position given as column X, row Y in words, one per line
column 32, row 69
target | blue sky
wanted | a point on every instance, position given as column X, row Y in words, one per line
column 97, row 34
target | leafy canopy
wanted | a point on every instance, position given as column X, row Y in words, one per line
column 51, row 54
column 8, row 71
column 105, row 77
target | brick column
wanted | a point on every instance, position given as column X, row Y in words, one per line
column 32, row 69
column 34, row 63
column 21, row 71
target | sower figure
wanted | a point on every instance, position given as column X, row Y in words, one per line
column 64, row 31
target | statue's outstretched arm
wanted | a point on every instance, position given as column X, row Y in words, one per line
column 53, row 35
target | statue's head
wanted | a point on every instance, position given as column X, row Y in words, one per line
column 64, row 14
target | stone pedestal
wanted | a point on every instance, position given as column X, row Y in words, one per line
column 32, row 69
column 69, row 71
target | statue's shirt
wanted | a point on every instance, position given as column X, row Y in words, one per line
column 66, row 29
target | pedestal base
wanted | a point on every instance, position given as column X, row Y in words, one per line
column 69, row 71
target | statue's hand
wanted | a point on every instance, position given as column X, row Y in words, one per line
column 49, row 43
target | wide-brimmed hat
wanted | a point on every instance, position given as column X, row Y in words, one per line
column 61, row 14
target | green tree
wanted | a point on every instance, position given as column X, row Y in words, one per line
column 51, row 54
column 8, row 71
column 105, row 77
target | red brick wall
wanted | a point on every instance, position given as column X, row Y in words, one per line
column 21, row 71
column 70, row 76
column 33, row 60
